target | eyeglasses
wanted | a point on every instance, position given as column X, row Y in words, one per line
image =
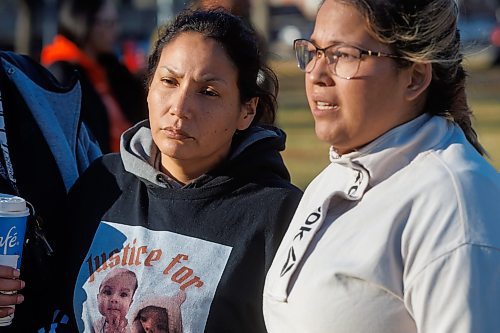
column 343, row 60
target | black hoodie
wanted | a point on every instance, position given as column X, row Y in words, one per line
column 203, row 248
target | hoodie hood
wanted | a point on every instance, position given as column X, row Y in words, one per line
column 255, row 152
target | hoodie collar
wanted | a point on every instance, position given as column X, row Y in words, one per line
column 397, row 148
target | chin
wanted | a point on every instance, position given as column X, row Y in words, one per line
column 325, row 133
column 171, row 150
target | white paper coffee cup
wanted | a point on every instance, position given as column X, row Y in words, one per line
column 13, row 217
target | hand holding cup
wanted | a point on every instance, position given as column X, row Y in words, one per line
column 9, row 282
column 13, row 219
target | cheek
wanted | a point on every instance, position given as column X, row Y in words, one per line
column 371, row 109
column 359, row 97
column 219, row 120
column 154, row 110
column 152, row 100
column 212, row 127
column 371, row 100
column 152, row 119
column 308, row 85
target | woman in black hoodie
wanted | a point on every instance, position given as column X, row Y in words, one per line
column 199, row 197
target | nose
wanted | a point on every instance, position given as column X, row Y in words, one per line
column 180, row 104
column 320, row 74
column 147, row 326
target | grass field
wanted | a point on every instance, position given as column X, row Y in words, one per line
column 306, row 156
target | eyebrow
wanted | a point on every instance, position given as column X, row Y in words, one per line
column 329, row 42
column 205, row 78
column 337, row 43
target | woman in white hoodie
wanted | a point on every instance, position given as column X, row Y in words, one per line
column 401, row 232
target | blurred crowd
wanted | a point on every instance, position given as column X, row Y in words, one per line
column 89, row 45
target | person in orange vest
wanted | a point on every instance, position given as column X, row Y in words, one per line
column 113, row 99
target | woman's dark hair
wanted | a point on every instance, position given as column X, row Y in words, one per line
column 240, row 42
column 426, row 31
column 76, row 17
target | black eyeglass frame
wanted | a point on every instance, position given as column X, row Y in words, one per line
column 362, row 52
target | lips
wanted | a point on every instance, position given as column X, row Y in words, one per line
column 323, row 101
column 325, row 106
column 176, row 133
column 321, row 107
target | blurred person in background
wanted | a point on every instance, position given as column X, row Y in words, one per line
column 113, row 98
column 239, row 8
column 401, row 231
column 45, row 147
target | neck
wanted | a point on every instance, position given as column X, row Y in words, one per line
column 185, row 171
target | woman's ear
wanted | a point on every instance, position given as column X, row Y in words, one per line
column 420, row 77
column 248, row 111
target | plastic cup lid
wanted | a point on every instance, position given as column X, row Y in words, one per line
column 12, row 205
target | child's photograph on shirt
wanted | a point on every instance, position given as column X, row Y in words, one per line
column 143, row 280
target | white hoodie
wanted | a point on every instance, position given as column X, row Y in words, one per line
column 401, row 236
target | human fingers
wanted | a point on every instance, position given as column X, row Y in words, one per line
column 9, row 272
column 11, row 284
column 10, row 299
column 6, row 311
